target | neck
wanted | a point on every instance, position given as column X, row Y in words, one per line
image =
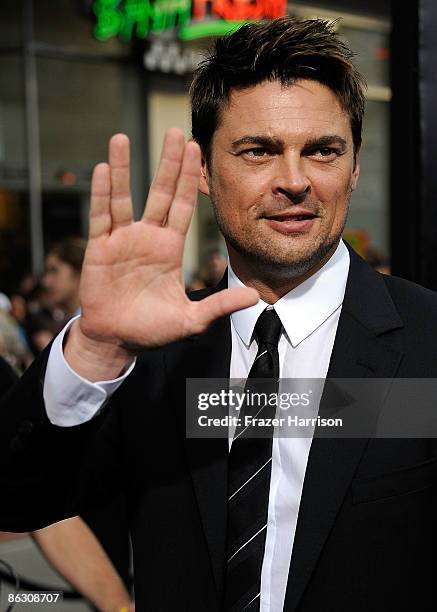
column 271, row 287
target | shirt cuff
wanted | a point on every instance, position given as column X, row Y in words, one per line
column 70, row 399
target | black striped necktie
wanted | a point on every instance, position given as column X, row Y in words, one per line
column 250, row 461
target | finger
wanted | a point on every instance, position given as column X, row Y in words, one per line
column 121, row 201
column 163, row 188
column 182, row 208
column 100, row 212
column 221, row 304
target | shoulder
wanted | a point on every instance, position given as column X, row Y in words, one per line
column 417, row 308
column 412, row 300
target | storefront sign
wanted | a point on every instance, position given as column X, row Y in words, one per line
column 171, row 57
column 193, row 18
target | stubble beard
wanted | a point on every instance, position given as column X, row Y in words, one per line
column 266, row 263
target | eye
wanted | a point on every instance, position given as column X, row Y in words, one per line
column 325, row 153
column 255, row 153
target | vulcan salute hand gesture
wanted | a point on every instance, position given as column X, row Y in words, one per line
column 132, row 292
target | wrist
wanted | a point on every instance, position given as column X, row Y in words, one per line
column 94, row 360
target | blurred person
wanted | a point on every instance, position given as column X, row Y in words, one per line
column 41, row 328
column 19, row 313
column 74, row 551
column 39, row 321
column 61, row 279
column 56, row 299
column 196, row 282
column 322, row 523
column 5, row 303
column 18, row 307
column 27, row 284
column 377, row 260
column 39, row 301
column 12, row 345
column 63, row 265
column 214, row 267
column 210, row 273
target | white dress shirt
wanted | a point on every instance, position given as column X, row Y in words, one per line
column 309, row 315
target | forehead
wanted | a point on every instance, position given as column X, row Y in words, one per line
column 54, row 261
column 304, row 109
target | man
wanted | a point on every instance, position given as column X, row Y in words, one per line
column 343, row 524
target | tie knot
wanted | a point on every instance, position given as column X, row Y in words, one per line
column 268, row 328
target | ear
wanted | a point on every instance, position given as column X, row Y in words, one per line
column 204, row 178
column 356, row 170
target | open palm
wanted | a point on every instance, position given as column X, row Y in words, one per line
column 132, row 290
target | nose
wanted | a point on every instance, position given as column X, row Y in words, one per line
column 291, row 180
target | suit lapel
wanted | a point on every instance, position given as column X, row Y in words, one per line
column 358, row 352
column 207, row 356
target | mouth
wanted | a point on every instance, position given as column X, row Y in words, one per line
column 291, row 222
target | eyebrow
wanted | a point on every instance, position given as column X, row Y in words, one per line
column 263, row 141
column 268, row 141
column 326, row 141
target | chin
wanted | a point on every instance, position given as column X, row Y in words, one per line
column 282, row 263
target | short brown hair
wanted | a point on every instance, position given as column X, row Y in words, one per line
column 284, row 50
column 71, row 250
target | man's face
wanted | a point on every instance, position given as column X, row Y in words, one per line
column 61, row 280
column 281, row 175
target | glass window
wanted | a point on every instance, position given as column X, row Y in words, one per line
column 369, row 205
column 368, row 222
column 81, row 105
column 372, row 49
column 14, row 205
column 12, row 123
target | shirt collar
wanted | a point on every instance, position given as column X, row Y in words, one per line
column 303, row 309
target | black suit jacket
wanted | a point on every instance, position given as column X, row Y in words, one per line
column 367, row 525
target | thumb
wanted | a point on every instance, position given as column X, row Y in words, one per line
column 221, row 304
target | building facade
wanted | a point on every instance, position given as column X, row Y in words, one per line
column 71, row 76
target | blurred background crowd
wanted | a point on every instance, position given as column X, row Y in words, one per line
column 40, row 305
column 37, row 309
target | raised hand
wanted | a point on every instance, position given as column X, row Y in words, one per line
column 132, row 292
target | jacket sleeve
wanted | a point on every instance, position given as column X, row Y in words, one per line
column 48, row 473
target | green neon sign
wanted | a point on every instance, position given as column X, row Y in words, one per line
column 212, row 28
column 193, row 18
column 139, row 17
